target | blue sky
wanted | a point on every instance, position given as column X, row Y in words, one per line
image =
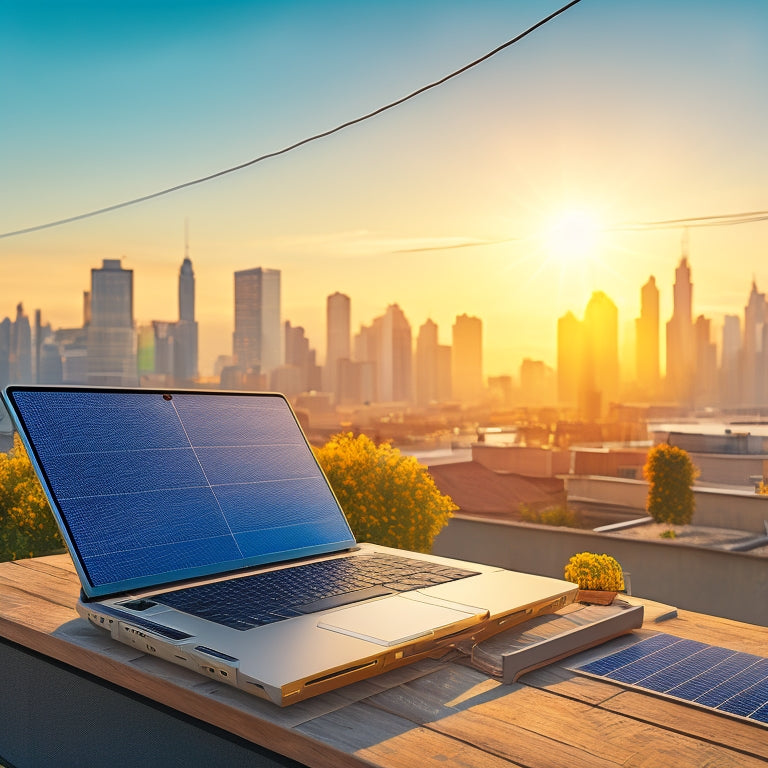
column 632, row 110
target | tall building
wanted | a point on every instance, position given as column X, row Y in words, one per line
column 426, row 364
column 601, row 356
column 385, row 349
column 257, row 340
column 185, row 333
column 467, row 359
column 300, row 372
column 680, row 338
column 706, row 391
column 395, row 358
column 111, row 357
column 537, row 383
column 730, row 362
column 753, row 357
column 5, row 352
column 21, row 348
column 338, row 339
column 647, row 340
column 570, row 346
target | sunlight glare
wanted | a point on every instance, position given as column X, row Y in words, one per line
column 572, row 236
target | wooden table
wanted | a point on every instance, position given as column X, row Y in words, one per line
column 72, row 696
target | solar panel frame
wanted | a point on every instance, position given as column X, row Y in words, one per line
column 708, row 676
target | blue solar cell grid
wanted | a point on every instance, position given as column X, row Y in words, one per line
column 706, row 675
column 150, row 485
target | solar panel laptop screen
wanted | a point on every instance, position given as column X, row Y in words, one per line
column 204, row 532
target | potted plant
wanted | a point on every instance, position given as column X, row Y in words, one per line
column 599, row 577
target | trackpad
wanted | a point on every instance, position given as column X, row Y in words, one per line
column 393, row 620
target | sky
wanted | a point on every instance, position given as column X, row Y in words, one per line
column 613, row 113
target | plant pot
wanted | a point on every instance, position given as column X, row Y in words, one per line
column 595, row 596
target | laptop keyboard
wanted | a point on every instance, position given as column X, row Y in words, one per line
column 264, row 598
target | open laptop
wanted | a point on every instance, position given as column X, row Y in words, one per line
column 205, row 533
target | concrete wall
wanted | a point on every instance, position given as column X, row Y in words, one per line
column 733, row 585
column 521, row 460
column 728, row 470
column 715, row 507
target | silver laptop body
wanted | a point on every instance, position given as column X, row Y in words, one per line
column 167, row 497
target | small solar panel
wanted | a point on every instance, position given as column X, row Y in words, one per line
column 709, row 676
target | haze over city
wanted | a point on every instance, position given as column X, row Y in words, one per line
column 609, row 115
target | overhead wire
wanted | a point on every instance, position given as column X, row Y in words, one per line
column 296, row 145
column 715, row 220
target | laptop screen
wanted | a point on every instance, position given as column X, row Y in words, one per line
column 152, row 486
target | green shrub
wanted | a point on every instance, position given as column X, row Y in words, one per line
column 559, row 516
column 27, row 527
column 388, row 498
column 670, row 474
column 591, row 571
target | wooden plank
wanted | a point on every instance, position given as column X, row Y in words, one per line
column 55, row 587
column 561, row 680
column 707, row 726
column 381, row 738
column 455, row 702
column 519, row 714
column 603, row 732
column 714, row 630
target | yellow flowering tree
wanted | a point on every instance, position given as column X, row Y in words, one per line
column 670, row 474
column 388, row 498
column 27, row 527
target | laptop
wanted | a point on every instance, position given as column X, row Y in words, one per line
column 205, row 533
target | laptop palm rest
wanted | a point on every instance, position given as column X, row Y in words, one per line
column 397, row 619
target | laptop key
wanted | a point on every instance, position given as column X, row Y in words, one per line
column 345, row 598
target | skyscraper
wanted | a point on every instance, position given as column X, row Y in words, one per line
column 601, row 356
column 300, row 372
column 338, row 339
column 426, row 364
column 185, row 335
column 647, row 340
column 730, row 362
column 680, row 340
column 258, row 338
column 467, row 359
column 705, row 381
column 395, row 356
column 570, row 345
column 111, row 356
column 753, row 378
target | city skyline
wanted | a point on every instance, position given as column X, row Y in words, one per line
column 595, row 366
column 453, row 203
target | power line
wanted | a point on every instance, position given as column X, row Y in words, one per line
column 298, row 144
column 716, row 220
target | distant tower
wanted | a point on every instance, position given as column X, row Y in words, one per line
column 730, row 362
column 21, row 348
column 258, row 337
column 338, row 339
column 111, row 357
column 570, row 345
column 185, row 333
column 705, row 381
column 647, row 339
column 427, row 364
column 680, row 338
column 755, row 315
column 395, row 360
column 601, row 356
column 467, row 359
column 186, row 286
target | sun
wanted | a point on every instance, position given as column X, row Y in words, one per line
column 572, row 236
